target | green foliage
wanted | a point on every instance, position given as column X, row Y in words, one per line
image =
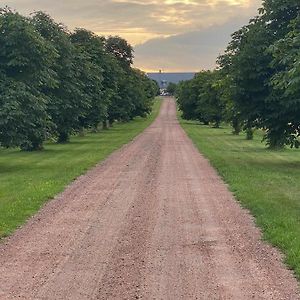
column 136, row 90
column 171, row 88
column 121, row 50
column 23, row 118
column 92, row 51
column 231, row 113
column 257, row 82
column 257, row 60
column 286, row 83
column 25, row 71
column 54, row 83
column 67, row 100
column 141, row 91
column 200, row 98
column 155, row 87
column 186, row 94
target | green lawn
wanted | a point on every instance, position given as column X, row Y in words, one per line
column 28, row 180
column 266, row 182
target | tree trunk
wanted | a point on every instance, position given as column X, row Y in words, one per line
column 217, row 124
column 32, row 146
column 110, row 122
column 104, row 125
column 276, row 139
column 81, row 132
column 249, row 133
column 95, row 128
column 236, row 126
column 63, row 137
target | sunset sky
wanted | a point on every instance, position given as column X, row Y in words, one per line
column 172, row 35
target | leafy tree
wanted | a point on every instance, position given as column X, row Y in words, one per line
column 55, row 83
column 248, row 65
column 226, row 90
column 121, row 105
column 187, row 99
column 23, row 119
column 155, row 90
column 92, row 46
column 121, row 50
column 68, row 101
column 248, row 62
column 114, row 76
column 200, row 98
column 171, row 88
column 26, row 61
column 135, row 89
column 286, row 84
column 209, row 106
column 280, row 125
column 140, row 92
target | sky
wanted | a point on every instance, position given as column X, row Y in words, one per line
column 168, row 35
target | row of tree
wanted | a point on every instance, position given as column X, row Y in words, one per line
column 54, row 83
column 257, row 83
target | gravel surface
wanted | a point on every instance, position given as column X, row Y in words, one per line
column 154, row 221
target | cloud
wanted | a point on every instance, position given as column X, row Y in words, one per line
column 191, row 51
column 140, row 21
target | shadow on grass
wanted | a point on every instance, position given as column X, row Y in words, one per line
column 20, row 168
column 282, row 166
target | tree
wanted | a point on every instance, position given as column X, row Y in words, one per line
column 247, row 64
column 92, row 47
column 135, row 89
column 141, row 93
column 26, row 61
column 209, row 106
column 280, row 125
column 69, row 102
column 286, row 84
column 200, row 98
column 56, row 83
column 171, row 88
column 226, row 90
column 248, row 61
column 186, row 94
column 121, row 50
column 155, row 90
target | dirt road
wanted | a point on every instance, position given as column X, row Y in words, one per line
column 154, row 221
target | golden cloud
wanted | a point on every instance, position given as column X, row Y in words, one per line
column 140, row 21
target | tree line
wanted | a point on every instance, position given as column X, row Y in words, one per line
column 55, row 82
column 257, row 81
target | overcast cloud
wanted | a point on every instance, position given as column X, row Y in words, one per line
column 174, row 35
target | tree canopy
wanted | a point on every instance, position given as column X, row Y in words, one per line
column 256, row 84
column 54, row 83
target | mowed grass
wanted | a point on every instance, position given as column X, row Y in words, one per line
column 28, row 180
column 266, row 182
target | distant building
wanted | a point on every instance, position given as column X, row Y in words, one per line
column 163, row 79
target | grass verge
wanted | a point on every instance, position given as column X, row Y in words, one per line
column 266, row 182
column 28, row 180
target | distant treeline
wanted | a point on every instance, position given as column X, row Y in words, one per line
column 54, row 82
column 257, row 83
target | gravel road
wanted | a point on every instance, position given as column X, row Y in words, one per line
column 154, row 221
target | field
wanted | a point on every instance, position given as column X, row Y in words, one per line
column 266, row 182
column 28, row 180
